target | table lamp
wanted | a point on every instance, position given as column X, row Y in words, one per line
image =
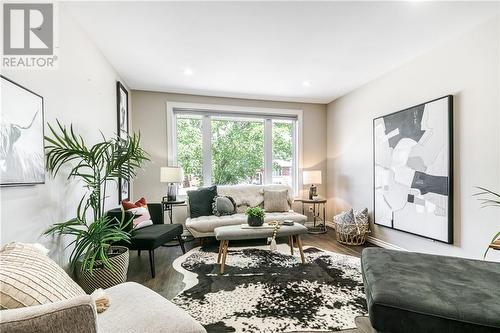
column 313, row 178
column 171, row 175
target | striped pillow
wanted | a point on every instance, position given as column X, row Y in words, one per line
column 28, row 277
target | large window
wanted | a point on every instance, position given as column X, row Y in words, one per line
column 235, row 148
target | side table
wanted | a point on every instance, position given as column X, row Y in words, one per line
column 169, row 205
column 318, row 205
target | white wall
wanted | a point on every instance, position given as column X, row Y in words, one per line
column 149, row 115
column 467, row 68
column 82, row 92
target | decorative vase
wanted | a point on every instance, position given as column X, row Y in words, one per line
column 103, row 277
column 255, row 221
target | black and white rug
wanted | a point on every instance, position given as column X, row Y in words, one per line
column 264, row 291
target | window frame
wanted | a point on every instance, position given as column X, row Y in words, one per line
column 206, row 111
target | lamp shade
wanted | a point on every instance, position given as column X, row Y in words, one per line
column 171, row 175
column 311, row 177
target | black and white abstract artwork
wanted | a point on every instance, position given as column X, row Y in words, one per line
column 265, row 291
column 21, row 142
column 413, row 170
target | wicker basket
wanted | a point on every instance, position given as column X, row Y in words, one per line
column 352, row 233
column 102, row 277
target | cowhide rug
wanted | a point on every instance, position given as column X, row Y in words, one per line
column 264, row 291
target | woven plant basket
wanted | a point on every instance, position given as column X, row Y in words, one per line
column 352, row 233
column 102, row 277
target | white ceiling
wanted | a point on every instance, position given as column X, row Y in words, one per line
column 266, row 50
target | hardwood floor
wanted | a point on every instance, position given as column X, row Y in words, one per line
column 168, row 282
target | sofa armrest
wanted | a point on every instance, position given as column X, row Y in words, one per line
column 77, row 314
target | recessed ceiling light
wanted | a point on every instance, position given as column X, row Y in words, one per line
column 306, row 83
column 188, row 71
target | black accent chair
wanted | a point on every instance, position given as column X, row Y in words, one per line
column 153, row 236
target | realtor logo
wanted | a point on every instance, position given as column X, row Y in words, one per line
column 28, row 35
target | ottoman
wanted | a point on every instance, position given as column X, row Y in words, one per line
column 412, row 292
column 238, row 232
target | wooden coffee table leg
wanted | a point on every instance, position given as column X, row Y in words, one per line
column 299, row 243
column 224, row 255
column 221, row 246
column 290, row 242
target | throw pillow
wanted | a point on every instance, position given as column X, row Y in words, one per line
column 127, row 204
column 140, row 210
column 200, row 201
column 29, row 277
column 361, row 216
column 276, row 200
column 345, row 217
column 223, row 205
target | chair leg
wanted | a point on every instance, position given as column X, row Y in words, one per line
column 181, row 243
column 152, row 262
column 138, row 253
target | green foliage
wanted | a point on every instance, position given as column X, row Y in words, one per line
column 189, row 147
column 489, row 198
column 237, row 151
column 255, row 212
column 282, row 142
column 95, row 166
column 237, row 148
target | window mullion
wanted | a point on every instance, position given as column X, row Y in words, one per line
column 268, row 151
column 206, row 129
column 295, row 153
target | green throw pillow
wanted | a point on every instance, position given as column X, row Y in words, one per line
column 200, row 201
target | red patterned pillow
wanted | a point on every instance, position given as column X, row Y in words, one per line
column 141, row 213
column 129, row 205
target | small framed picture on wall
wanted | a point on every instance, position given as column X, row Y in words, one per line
column 122, row 133
column 123, row 190
column 122, row 110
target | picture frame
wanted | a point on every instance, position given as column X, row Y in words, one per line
column 122, row 133
column 22, row 153
column 122, row 111
column 413, row 170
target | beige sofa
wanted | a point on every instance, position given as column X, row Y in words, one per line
column 134, row 308
column 244, row 196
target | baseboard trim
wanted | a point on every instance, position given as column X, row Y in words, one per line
column 330, row 224
column 384, row 244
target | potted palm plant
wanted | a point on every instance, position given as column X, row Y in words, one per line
column 96, row 262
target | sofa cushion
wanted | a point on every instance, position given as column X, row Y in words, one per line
column 236, row 232
column 249, row 195
column 243, row 195
column 136, row 308
column 223, row 205
column 200, row 201
column 77, row 314
column 413, row 292
column 153, row 236
column 276, row 201
column 205, row 225
column 28, row 277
